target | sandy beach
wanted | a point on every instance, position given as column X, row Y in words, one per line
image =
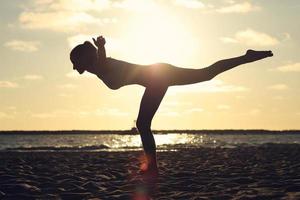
column 265, row 172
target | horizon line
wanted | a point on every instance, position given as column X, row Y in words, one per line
column 154, row 130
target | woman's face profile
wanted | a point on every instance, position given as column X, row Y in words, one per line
column 83, row 57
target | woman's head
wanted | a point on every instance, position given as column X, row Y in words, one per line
column 83, row 56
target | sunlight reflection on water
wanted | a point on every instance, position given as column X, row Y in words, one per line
column 115, row 142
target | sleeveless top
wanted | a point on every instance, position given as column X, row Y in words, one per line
column 119, row 73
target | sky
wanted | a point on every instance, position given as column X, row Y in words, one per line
column 40, row 91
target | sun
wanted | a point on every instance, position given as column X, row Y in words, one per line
column 159, row 37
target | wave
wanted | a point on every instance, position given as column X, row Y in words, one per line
column 62, row 148
column 164, row 147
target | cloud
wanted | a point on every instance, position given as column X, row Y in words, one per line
column 103, row 112
column 286, row 36
column 11, row 107
column 63, row 15
column 177, row 103
column 293, row 67
column 240, row 97
column 64, row 95
column 134, row 5
column 110, row 111
column 244, row 7
column 76, row 5
column 213, row 86
column 255, row 111
column 194, row 110
column 8, row 84
column 60, row 21
column 56, row 114
column 279, row 98
column 4, row 115
column 278, row 87
column 251, row 37
column 230, row 7
column 228, row 40
column 22, row 45
column 33, row 77
column 168, row 113
column 94, row 5
column 223, row 107
column 194, row 4
column 43, row 115
column 67, row 86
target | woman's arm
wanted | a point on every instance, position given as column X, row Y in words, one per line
column 100, row 42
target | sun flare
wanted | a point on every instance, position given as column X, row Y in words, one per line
column 159, row 38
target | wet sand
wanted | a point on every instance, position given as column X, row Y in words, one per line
column 264, row 172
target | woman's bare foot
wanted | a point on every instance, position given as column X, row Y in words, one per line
column 148, row 168
column 252, row 55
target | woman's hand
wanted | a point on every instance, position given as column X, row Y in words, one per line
column 100, row 42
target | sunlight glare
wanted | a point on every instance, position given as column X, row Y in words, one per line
column 159, row 38
column 172, row 139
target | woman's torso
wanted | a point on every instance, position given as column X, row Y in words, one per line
column 120, row 73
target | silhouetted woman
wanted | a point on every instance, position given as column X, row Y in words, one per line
column 156, row 78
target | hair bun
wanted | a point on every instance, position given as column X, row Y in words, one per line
column 86, row 42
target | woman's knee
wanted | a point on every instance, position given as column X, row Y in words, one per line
column 208, row 73
column 143, row 126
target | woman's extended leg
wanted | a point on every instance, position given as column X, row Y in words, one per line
column 150, row 102
column 183, row 76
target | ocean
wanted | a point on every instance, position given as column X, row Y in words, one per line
column 113, row 141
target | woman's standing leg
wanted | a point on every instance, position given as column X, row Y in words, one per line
column 150, row 102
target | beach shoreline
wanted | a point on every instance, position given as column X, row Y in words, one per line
column 270, row 171
column 132, row 132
